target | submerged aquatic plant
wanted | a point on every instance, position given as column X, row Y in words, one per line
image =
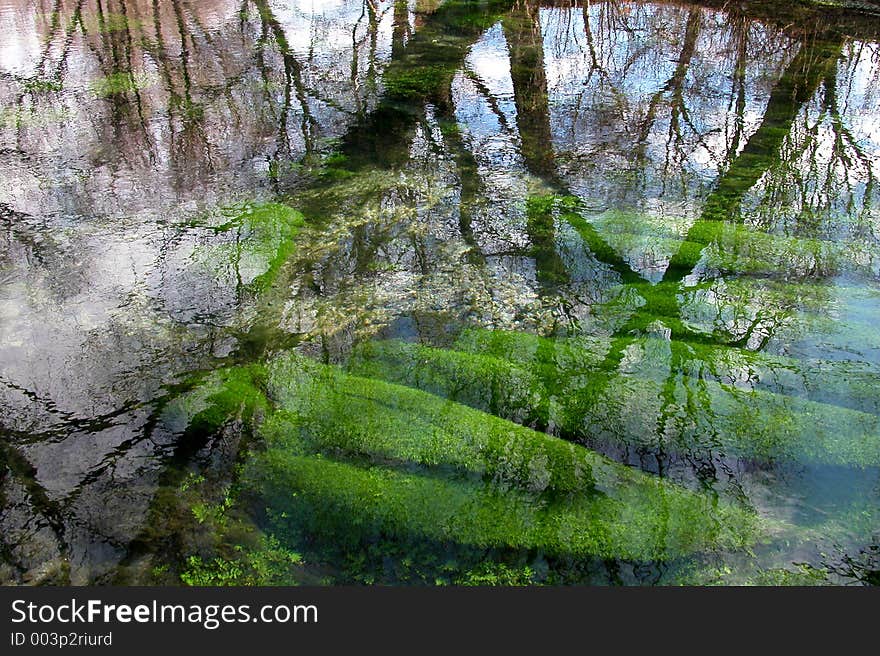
column 349, row 460
column 254, row 240
column 121, row 82
column 565, row 384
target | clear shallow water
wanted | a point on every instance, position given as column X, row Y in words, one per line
column 334, row 292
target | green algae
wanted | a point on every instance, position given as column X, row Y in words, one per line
column 255, row 241
column 121, row 83
column 643, row 403
column 730, row 415
column 578, row 352
column 213, row 529
column 222, row 545
column 845, row 383
column 504, row 373
column 742, row 251
column 356, row 503
column 725, row 310
column 344, row 446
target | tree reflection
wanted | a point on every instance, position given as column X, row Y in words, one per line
column 690, row 185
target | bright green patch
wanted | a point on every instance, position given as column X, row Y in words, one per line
column 121, row 83
column 351, row 504
column 255, row 240
column 406, row 463
column 645, row 401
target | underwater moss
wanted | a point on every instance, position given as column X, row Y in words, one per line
column 362, row 457
column 799, row 575
column 558, row 355
column 580, row 400
column 721, row 246
column 419, row 81
column 351, row 460
column 328, row 410
column 122, row 82
column 850, row 384
column 215, row 399
column 705, row 417
column 480, row 381
column 258, row 237
column 356, row 503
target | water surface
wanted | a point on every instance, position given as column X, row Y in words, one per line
column 420, row 292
